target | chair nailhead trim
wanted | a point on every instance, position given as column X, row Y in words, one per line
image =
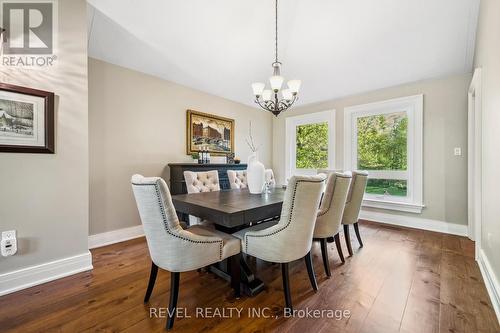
column 291, row 213
column 165, row 223
column 335, row 184
column 330, row 204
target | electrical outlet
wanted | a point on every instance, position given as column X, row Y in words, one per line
column 8, row 243
column 458, row 151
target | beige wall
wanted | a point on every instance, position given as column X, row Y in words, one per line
column 445, row 127
column 45, row 197
column 137, row 124
column 487, row 57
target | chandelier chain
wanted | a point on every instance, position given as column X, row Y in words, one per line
column 276, row 30
column 270, row 100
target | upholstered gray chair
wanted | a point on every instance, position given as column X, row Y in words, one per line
column 353, row 206
column 270, row 177
column 237, row 179
column 330, row 214
column 206, row 181
column 197, row 182
column 291, row 238
column 176, row 249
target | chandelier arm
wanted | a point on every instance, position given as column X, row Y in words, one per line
column 286, row 104
column 282, row 107
column 266, row 106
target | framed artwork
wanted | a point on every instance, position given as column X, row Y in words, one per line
column 209, row 131
column 26, row 120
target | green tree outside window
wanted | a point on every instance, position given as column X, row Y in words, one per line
column 312, row 146
column 382, row 145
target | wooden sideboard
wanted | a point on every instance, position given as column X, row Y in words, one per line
column 178, row 185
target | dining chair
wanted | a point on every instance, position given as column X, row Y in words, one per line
column 205, row 181
column 353, row 206
column 197, row 182
column 270, row 177
column 290, row 238
column 174, row 248
column 330, row 213
column 237, row 179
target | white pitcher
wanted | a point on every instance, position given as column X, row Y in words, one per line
column 256, row 174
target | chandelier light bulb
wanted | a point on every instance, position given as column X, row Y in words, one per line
column 287, row 94
column 294, row 86
column 258, row 88
column 276, row 82
column 266, row 95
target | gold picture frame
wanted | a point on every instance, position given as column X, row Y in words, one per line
column 207, row 130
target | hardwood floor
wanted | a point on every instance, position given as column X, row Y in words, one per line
column 402, row 280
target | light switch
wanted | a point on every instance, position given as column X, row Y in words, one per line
column 458, row 151
column 8, row 243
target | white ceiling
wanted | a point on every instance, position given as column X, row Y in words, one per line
column 336, row 47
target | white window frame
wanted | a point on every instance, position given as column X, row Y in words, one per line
column 291, row 135
column 413, row 106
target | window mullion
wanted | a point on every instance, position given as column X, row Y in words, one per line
column 388, row 174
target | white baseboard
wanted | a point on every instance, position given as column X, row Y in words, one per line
column 491, row 281
column 115, row 236
column 415, row 222
column 35, row 275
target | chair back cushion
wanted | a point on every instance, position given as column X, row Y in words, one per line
column 332, row 205
column 157, row 213
column 291, row 238
column 206, row 181
column 170, row 246
column 270, row 177
column 237, row 179
column 355, row 197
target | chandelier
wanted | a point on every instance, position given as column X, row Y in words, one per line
column 269, row 99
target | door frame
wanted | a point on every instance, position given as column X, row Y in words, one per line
column 474, row 160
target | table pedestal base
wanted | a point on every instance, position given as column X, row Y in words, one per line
column 251, row 285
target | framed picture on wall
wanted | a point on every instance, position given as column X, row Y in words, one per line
column 207, row 131
column 26, row 120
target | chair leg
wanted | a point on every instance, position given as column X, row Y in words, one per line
column 339, row 247
column 310, row 271
column 347, row 239
column 356, row 229
column 152, row 280
column 286, row 285
column 174, row 294
column 235, row 274
column 324, row 254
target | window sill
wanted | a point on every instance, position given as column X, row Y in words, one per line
column 393, row 205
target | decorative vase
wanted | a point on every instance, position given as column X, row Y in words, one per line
column 256, row 174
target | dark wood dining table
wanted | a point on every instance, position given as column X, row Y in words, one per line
column 230, row 211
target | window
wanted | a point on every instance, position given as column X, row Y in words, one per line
column 310, row 143
column 385, row 139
